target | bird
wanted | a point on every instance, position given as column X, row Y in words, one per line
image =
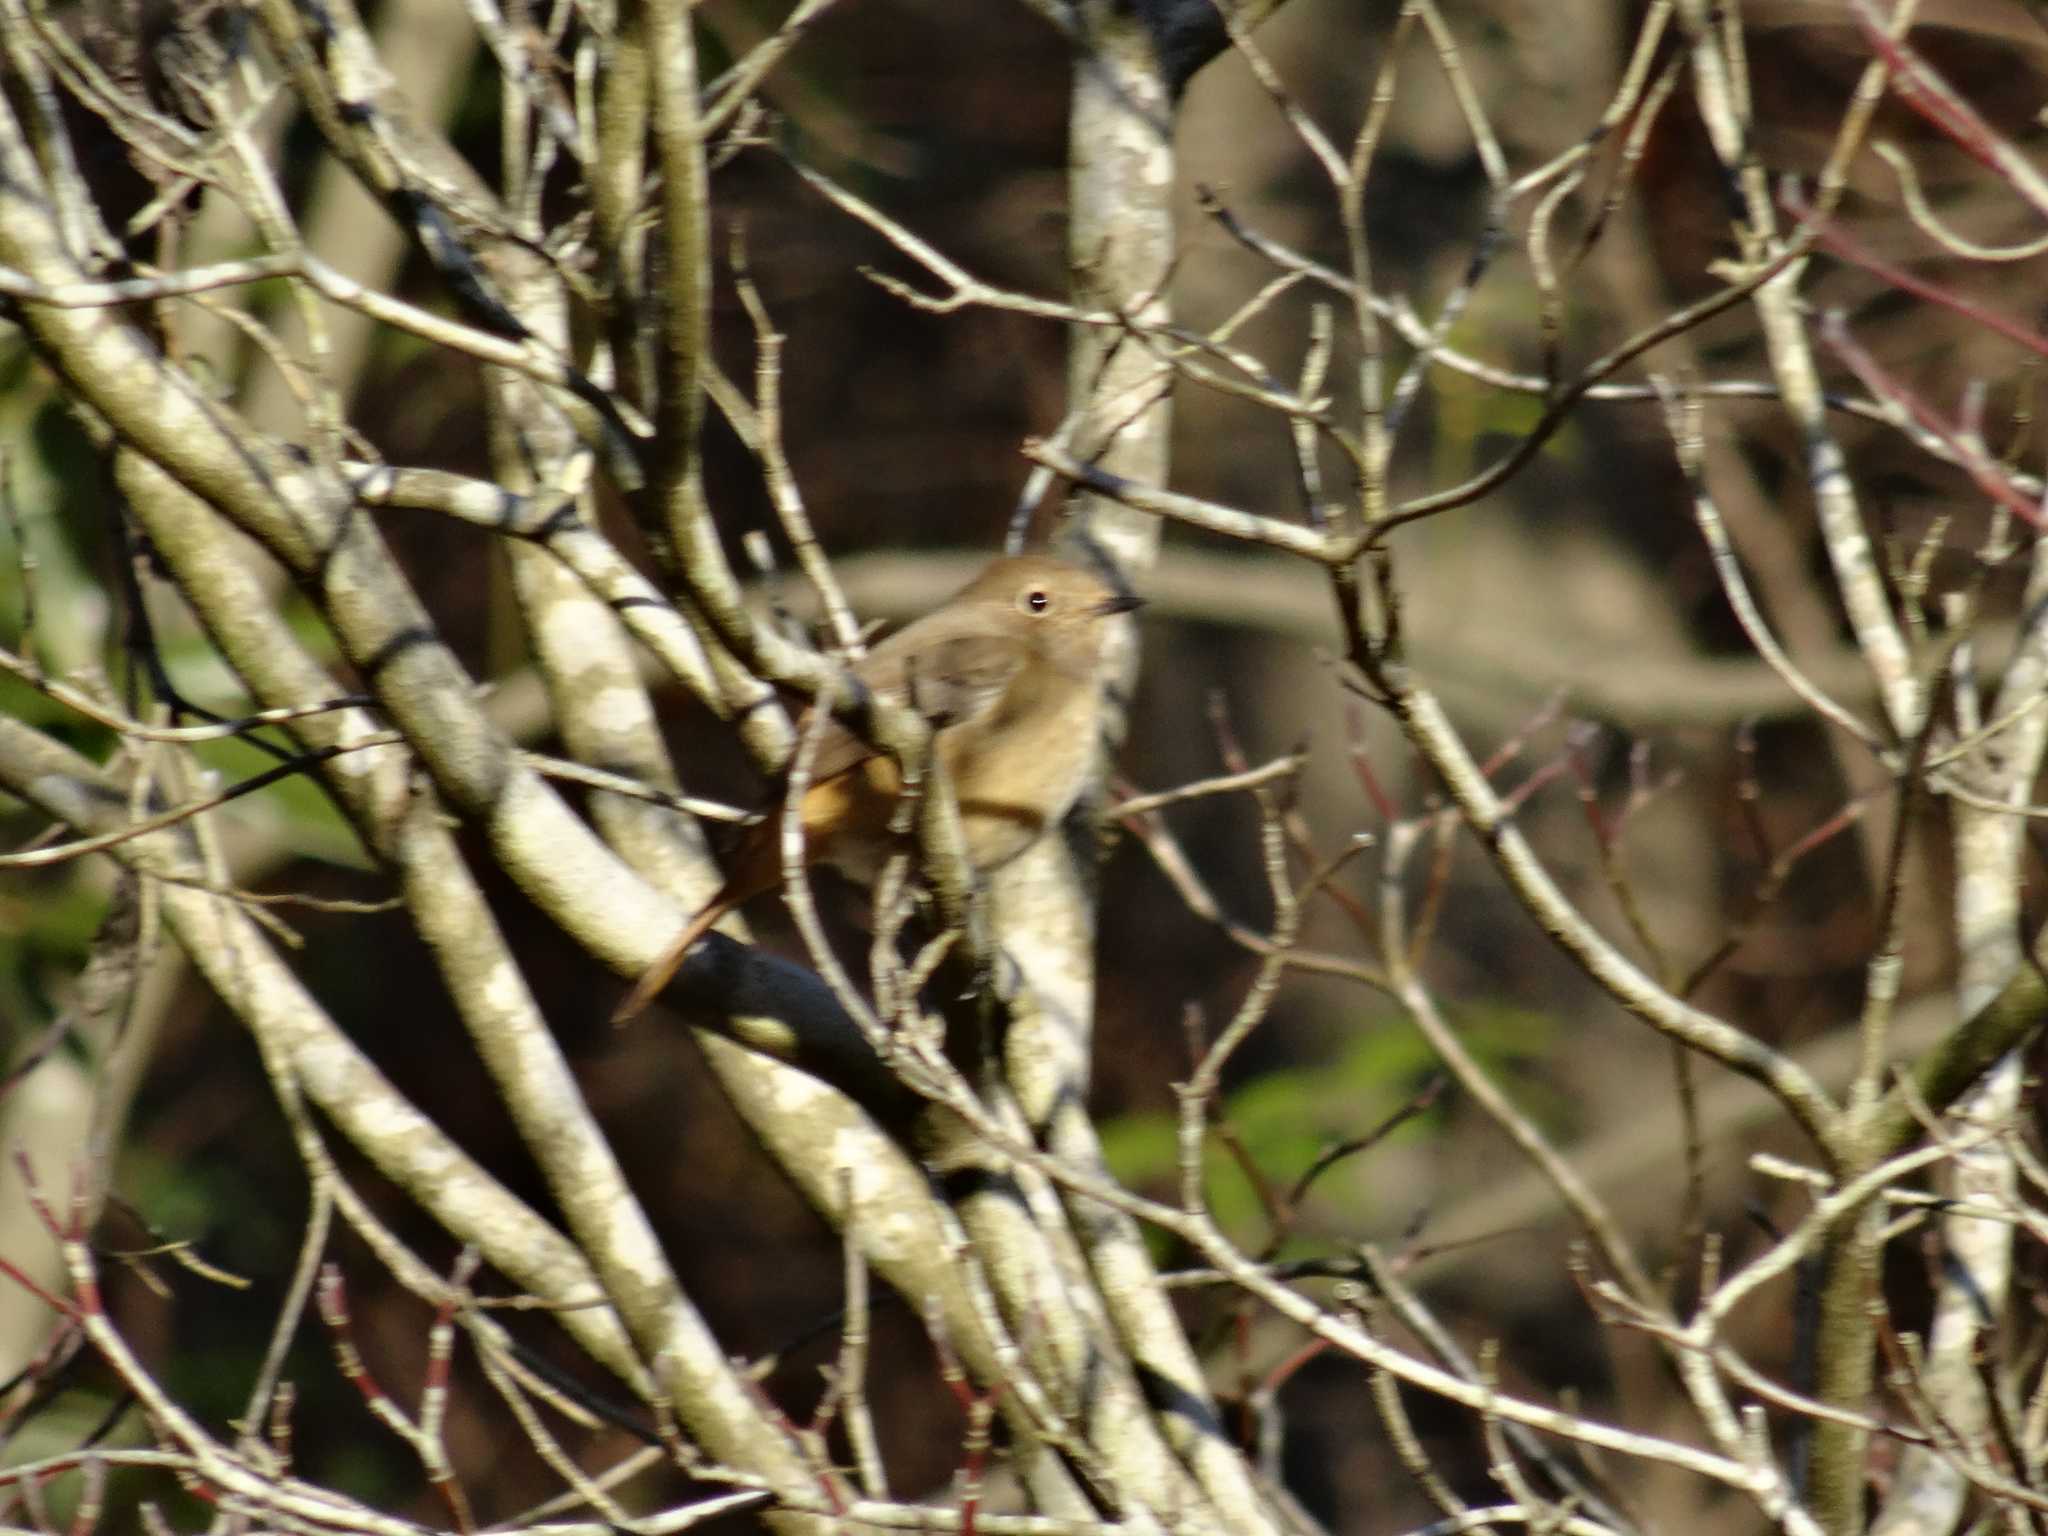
column 1010, row 673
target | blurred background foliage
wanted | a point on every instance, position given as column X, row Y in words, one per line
column 1584, row 576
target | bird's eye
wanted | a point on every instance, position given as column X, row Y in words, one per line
column 1036, row 600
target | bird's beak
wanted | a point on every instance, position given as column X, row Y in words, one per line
column 1122, row 602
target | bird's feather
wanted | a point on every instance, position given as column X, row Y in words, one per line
column 948, row 679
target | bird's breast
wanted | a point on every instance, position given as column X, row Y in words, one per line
column 1016, row 770
column 1020, row 771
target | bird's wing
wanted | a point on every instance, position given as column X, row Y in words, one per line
column 948, row 679
column 952, row 682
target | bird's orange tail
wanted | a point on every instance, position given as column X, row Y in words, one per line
column 657, row 975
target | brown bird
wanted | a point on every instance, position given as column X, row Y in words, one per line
column 1009, row 671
